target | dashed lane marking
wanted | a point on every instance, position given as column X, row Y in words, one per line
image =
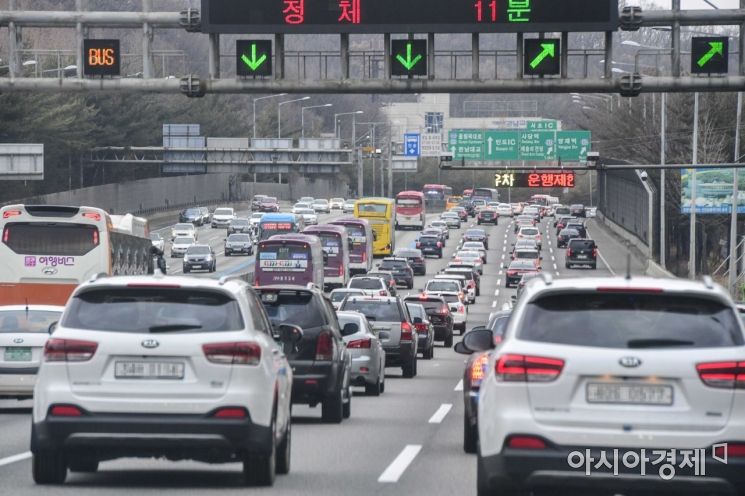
column 459, row 386
column 15, row 458
column 441, row 413
column 399, row 465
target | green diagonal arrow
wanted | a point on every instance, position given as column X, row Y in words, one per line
column 549, row 50
column 408, row 62
column 253, row 63
column 716, row 48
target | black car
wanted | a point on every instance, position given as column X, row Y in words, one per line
column 238, row 243
column 582, row 252
column 562, row 240
column 579, row 227
column 488, row 216
column 320, row 362
column 477, row 235
column 468, row 205
column 416, row 260
column 402, row 273
column 430, row 245
column 425, row 331
column 439, row 315
column 192, row 215
column 577, row 210
column 239, row 225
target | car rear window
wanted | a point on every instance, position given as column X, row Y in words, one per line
column 451, row 298
column 582, row 244
column 366, row 283
column 50, row 239
column 630, row 321
column 153, row 310
column 387, row 265
column 443, row 286
column 430, row 305
column 13, row 321
column 293, row 307
column 380, row 311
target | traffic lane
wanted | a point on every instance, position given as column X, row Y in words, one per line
column 14, row 427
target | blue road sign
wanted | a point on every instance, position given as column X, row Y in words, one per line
column 411, row 144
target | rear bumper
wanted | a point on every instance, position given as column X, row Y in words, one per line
column 110, row 436
column 313, row 381
column 19, row 383
column 399, row 355
column 442, row 331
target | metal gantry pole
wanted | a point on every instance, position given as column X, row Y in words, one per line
column 692, row 182
column 663, row 224
column 79, row 39
column 675, row 40
column 735, row 197
column 147, row 39
column 389, row 145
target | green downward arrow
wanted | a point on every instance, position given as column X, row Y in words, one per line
column 253, row 63
column 716, row 48
column 549, row 50
column 408, row 62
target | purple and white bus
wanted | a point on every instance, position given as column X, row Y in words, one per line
column 289, row 259
column 336, row 244
column 361, row 234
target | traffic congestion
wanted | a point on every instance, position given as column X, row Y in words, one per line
column 425, row 343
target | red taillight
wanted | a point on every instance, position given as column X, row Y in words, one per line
column 729, row 450
column 324, row 346
column 406, row 332
column 726, row 375
column 65, row 411
column 341, row 271
column 478, row 370
column 511, row 273
column 421, row 328
column 6, row 235
column 11, row 213
column 439, row 245
column 525, row 368
column 383, row 293
column 526, row 442
column 418, row 245
column 95, row 237
column 444, row 310
column 569, row 252
column 239, row 353
column 231, row 413
column 360, row 343
column 69, row 350
column 364, row 256
column 594, row 253
column 92, row 215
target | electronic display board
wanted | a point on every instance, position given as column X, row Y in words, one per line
column 101, row 58
column 558, row 179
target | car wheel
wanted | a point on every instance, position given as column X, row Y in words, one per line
column 283, row 451
column 48, row 468
column 83, row 466
column 373, row 389
column 439, row 255
column 410, row 285
column 470, row 436
column 227, row 253
column 332, row 408
column 260, row 470
column 449, row 340
column 409, row 370
column 347, row 408
column 186, row 270
column 429, row 353
column 568, row 266
column 463, row 329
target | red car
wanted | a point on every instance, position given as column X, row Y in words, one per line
column 269, row 204
column 516, row 269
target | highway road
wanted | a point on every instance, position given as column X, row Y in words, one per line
column 407, row 441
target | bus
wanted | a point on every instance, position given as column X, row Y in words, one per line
column 275, row 223
column 381, row 213
column 410, row 210
column 488, row 194
column 289, row 259
column 452, row 201
column 544, row 200
column 47, row 250
column 335, row 242
column 467, row 193
column 361, row 235
column 437, row 192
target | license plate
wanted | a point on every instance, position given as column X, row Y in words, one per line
column 17, row 354
column 631, row 394
column 149, row 370
column 582, row 257
column 196, row 266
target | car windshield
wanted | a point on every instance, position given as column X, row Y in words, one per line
column 23, row 320
column 522, row 264
column 192, row 211
column 238, row 238
column 153, row 310
column 451, row 298
column 337, row 296
column 223, row 211
column 569, row 232
column 269, row 199
column 393, row 264
column 366, row 283
column 443, row 286
column 631, row 321
column 468, row 254
column 292, row 307
column 430, row 305
column 428, row 239
column 582, row 244
column 475, row 233
column 377, row 311
column 198, row 250
column 527, row 254
column 474, row 245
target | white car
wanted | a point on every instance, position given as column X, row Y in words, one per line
column 469, row 292
column 348, row 206
column 183, row 229
column 158, row 241
column 337, row 296
column 310, row 217
column 457, row 309
column 24, row 331
column 366, row 350
column 504, row 210
column 255, row 219
column 474, row 257
column 163, row 367
column 528, row 232
column 370, row 286
column 452, row 219
column 321, row 205
column 336, row 203
column 180, row 245
column 474, row 246
column 306, row 199
column 300, row 206
column 222, row 217
column 642, row 373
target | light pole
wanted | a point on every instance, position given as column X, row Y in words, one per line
column 254, row 105
column 279, row 112
column 302, row 116
column 336, row 117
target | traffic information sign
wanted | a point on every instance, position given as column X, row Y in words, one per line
column 412, row 16
column 254, row 57
column 542, row 57
column 561, row 179
column 503, row 145
column 709, row 55
column 101, row 58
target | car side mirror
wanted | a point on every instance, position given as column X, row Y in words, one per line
column 52, row 327
column 461, row 348
column 349, row 329
column 479, row 340
column 290, row 334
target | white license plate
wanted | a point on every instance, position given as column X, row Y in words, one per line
column 631, row 394
column 18, row 354
column 149, row 370
column 197, row 266
column 581, row 257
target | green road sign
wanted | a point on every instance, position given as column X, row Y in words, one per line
column 254, row 57
column 544, row 125
column 709, row 55
column 572, row 146
column 542, row 56
column 409, row 57
column 467, row 144
column 537, row 145
column 501, row 145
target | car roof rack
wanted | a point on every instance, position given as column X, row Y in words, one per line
column 98, row 276
column 708, row 282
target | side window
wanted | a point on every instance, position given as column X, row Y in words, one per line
column 333, row 322
column 258, row 315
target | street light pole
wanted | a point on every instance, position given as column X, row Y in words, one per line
column 663, row 223
column 279, row 113
column 692, row 180
column 254, row 105
column 302, row 116
column 735, row 198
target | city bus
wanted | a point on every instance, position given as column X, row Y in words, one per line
column 289, row 259
column 437, row 192
column 544, row 200
column 381, row 214
column 361, row 235
column 272, row 224
column 410, row 210
column 488, row 194
column 335, row 242
column 47, row 251
column 452, row 201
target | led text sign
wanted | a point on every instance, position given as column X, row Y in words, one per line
column 101, row 58
column 561, row 179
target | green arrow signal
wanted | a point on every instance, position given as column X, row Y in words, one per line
column 253, row 63
column 716, row 48
column 549, row 50
column 408, row 62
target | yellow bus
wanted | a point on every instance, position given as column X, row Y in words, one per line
column 381, row 214
column 452, row 201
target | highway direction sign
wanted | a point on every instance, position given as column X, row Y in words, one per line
column 253, row 57
column 411, row 144
column 505, row 145
column 502, row 145
column 572, row 146
column 537, row 145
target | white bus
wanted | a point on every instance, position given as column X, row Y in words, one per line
column 46, row 250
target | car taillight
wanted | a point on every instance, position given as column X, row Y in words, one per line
column 6, row 235
column 406, row 332
column 65, row 411
column 594, row 253
column 478, row 370
column 418, row 245
column 69, row 350
column 231, row 413
column 439, row 244
column 444, row 310
column 511, row 273
column 526, row 442
column 360, row 343
column 725, row 375
column 364, row 256
column 724, row 451
column 238, row 353
column 569, row 252
column 11, row 213
column 324, row 346
column 421, row 328
column 341, row 271
column 526, row 368
column 95, row 237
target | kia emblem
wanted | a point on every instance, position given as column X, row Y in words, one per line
column 150, row 343
column 630, row 362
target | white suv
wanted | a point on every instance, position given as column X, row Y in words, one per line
column 603, row 376
column 222, row 217
column 172, row 367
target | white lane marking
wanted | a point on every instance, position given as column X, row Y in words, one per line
column 558, row 273
column 459, row 386
column 493, row 304
column 500, row 273
column 399, row 465
column 550, row 249
column 600, row 254
column 555, row 267
column 503, row 256
column 440, row 414
column 16, row 458
column 496, row 292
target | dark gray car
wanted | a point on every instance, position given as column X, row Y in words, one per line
column 240, row 244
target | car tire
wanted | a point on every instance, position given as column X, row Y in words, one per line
column 373, row 389
column 261, row 470
column 429, row 354
column 594, row 266
column 332, row 408
column 410, row 285
column 462, row 329
column 49, row 467
column 449, row 340
column 409, row 370
column 186, row 270
column 567, row 265
column 227, row 253
column 83, row 466
column 347, row 407
column 283, row 451
column 470, row 436
column 439, row 255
